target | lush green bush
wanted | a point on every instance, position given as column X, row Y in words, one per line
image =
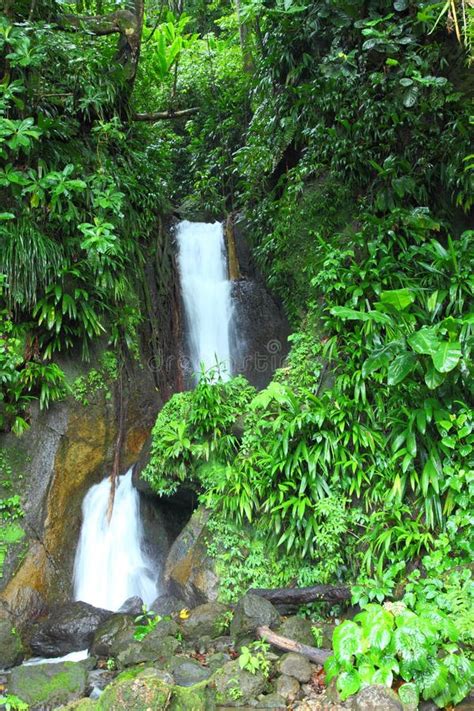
column 386, row 643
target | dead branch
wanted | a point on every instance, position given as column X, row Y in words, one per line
column 318, row 656
column 165, row 115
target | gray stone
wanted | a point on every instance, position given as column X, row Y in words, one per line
column 188, row 673
column 217, row 660
column 205, row 620
column 298, row 629
column 230, row 678
column 47, row 686
column 271, row 701
column 376, row 698
column 132, row 606
column 251, row 612
column 288, row 687
column 168, row 605
column 295, row 665
column 112, row 634
column 151, row 648
column 11, row 648
column 69, row 628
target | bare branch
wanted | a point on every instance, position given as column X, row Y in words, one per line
column 318, row 656
column 165, row 115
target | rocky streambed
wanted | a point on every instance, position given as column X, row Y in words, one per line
column 190, row 660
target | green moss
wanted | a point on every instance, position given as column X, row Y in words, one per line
column 10, row 534
column 138, row 694
column 49, row 684
column 193, row 698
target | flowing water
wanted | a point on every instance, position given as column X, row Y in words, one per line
column 206, row 294
column 110, row 564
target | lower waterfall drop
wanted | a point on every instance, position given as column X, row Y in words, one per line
column 110, row 564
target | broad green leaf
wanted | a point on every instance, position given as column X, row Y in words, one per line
column 366, row 673
column 383, row 677
column 425, row 341
column 410, row 97
column 381, row 357
column 347, row 641
column 433, row 379
column 331, row 668
column 348, row 683
column 447, row 356
column 433, row 680
column 409, row 696
column 398, row 298
column 379, row 636
column 400, row 367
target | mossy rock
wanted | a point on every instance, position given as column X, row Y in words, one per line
column 49, row 685
column 235, row 686
column 81, row 705
column 146, row 690
column 11, row 648
column 193, row 698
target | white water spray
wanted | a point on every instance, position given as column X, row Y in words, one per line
column 206, row 293
column 110, row 564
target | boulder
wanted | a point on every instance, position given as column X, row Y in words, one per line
column 192, row 698
column 132, row 606
column 235, row 686
column 295, row 665
column 47, row 686
column 188, row 673
column 297, row 628
column 69, row 628
column 251, row 612
column 111, row 634
column 154, row 647
column 145, row 690
column 11, row 648
column 205, row 620
column 168, row 605
column 217, row 660
column 376, row 698
column 288, row 687
column 189, row 571
column 271, row 701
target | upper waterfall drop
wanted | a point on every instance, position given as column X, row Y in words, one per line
column 206, row 290
column 110, row 564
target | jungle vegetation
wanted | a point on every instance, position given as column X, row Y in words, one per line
column 341, row 130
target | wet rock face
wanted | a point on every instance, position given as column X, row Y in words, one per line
column 259, row 341
column 69, row 628
column 68, row 448
column 189, row 571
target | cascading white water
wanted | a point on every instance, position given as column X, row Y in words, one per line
column 110, row 564
column 206, row 293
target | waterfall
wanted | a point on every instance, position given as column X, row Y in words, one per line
column 110, row 565
column 205, row 288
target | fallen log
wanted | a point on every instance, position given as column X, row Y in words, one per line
column 318, row 656
column 300, row 596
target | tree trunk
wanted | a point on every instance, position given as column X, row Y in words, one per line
column 300, row 596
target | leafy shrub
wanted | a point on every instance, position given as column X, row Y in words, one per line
column 386, row 643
